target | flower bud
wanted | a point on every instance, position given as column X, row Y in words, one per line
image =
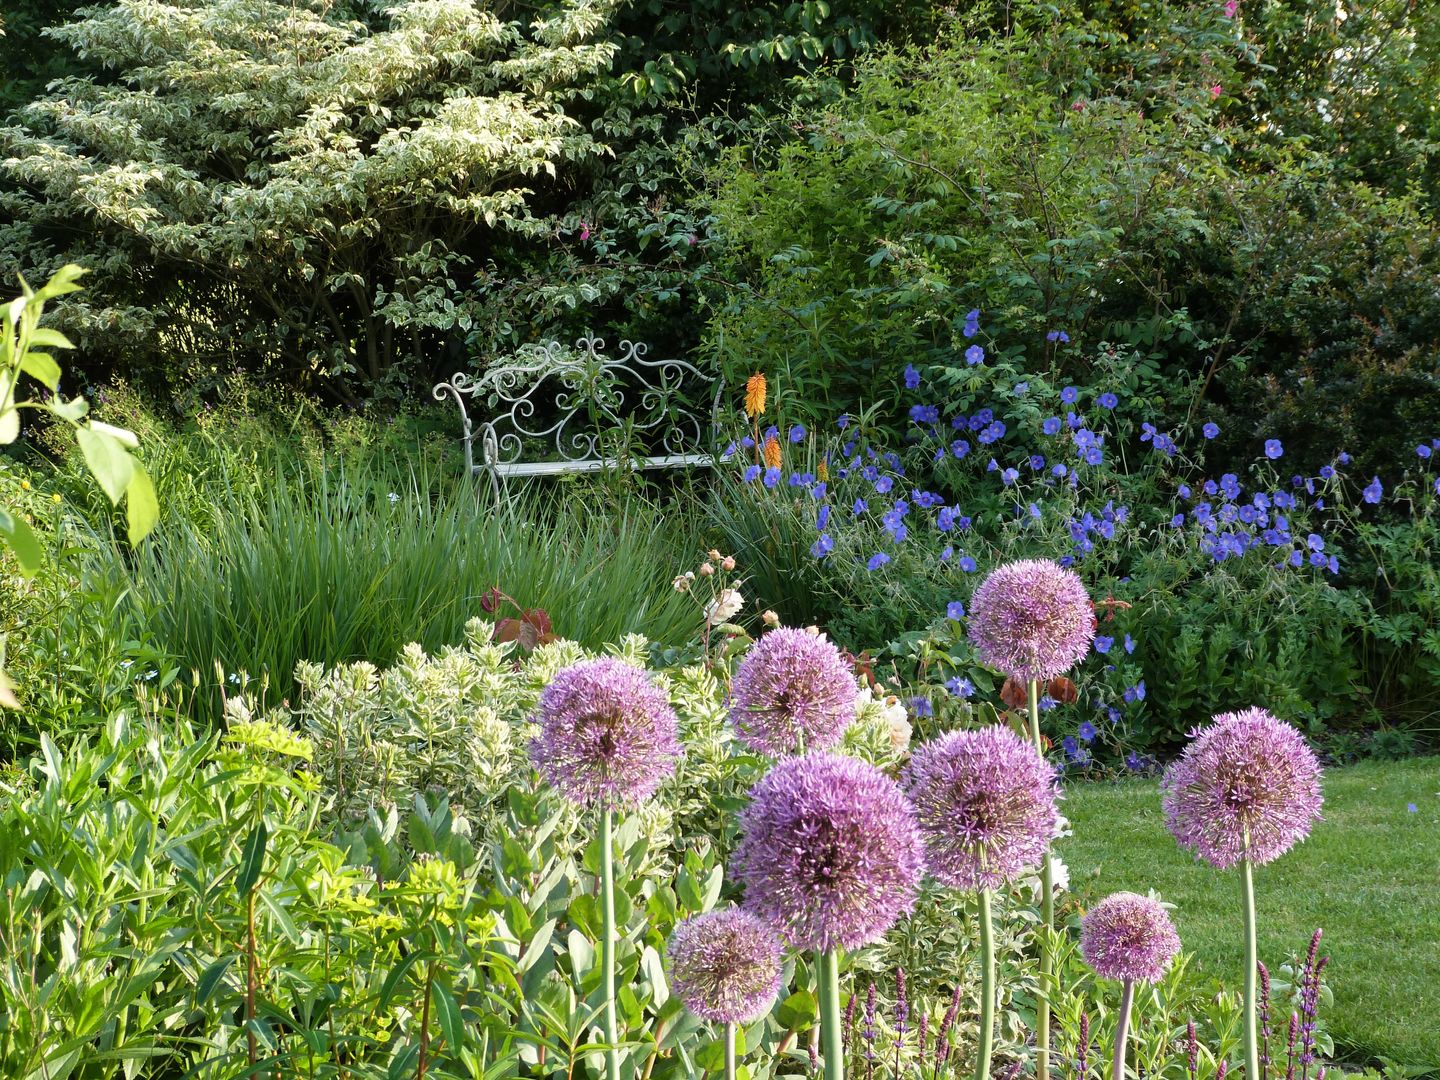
column 728, row 562
column 706, row 569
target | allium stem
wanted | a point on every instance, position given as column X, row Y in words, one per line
column 729, row 1052
column 1047, row 920
column 831, row 1035
column 607, row 946
column 1122, row 1029
column 1252, row 1042
column 987, row 989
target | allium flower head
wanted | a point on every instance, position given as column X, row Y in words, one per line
column 1032, row 619
column 1128, row 937
column 985, row 801
column 608, row 736
column 725, row 966
column 793, row 689
column 1246, row 775
column 829, row 853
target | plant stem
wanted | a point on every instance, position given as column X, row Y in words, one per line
column 1122, row 1030
column 729, row 1052
column 832, row 1037
column 607, row 946
column 251, row 979
column 1047, row 920
column 1252, row 1043
column 987, row 989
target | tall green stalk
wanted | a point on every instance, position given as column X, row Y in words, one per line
column 1122, row 1030
column 729, row 1052
column 833, row 1038
column 1047, row 920
column 986, row 1048
column 607, row 946
column 1252, row 960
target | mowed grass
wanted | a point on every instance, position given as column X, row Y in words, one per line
column 1369, row 875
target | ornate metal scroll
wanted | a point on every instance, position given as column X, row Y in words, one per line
column 559, row 401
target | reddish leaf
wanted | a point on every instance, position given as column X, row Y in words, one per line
column 1015, row 693
column 1063, row 690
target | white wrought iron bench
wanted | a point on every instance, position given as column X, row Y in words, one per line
column 559, row 401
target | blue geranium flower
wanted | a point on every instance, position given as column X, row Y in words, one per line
column 1107, row 400
column 884, row 484
column 1210, row 430
column 955, row 610
column 912, row 377
column 1273, row 449
column 974, row 355
column 960, row 687
column 797, row 433
column 751, row 473
column 822, row 546
column 1087, row 732
column 972, row 322
column 1103, row 643
column 1051, row 426
column 967, row 564
column 1069, row 395
column 877, row 560
column 772, row 477
column 1373, row 491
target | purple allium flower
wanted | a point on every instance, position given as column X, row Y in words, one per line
column 1128, row 937
column 1246, row 775
column 608, row 736
column 725, row 966
column 985, row 801
column 1032, row 619
column 793, row 689
column 829, row 853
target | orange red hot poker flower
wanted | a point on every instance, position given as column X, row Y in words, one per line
column 755, row 395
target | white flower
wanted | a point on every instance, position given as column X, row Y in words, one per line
column 394, row 498
column 724, row 606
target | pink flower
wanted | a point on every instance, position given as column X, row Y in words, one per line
column 1078, row 105
column 1231, row 7
column 584, row 231
column 1215, row 90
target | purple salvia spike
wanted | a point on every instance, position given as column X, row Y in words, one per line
column 814, row 1056
column 850, row 1020
column 1192, row 1060
column 1222, row 1070
column 1082, row 1052
column 902, row 1016
column 922, row 1035
column 942, row 1042
column 1290, row 1046
column 1014, row 1071
column 868, row 1032
column 1264, row 1014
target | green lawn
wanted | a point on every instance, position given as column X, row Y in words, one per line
column 1369, row 875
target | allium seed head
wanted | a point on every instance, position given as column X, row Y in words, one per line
column 829, row 852
column 985, row 801
column 1246, row 776
column 793, row 689
column 1032, row 619
column 1129, row 937
column 608, row 736
column 725, row 966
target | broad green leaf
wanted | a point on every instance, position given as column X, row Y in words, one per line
column 41, row 367
column 23, row 542
column 448, row 1012
column 252, row 860
column 47, row 337
column 108, row 460
column 124, row 436
column 9, row 426
column 142, row 509
column 210, row 978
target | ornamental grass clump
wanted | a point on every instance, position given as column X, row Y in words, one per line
column 986, row 804
column 608, row 738
column 1245, row 791
column 1034, row 621
column 831, row 856
column 725, row 967
column 1128, row 938
column 793, row 692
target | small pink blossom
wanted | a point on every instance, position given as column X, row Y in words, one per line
column 1078, row 105
column 584, row 231
column 1215, row 90
column 1231, row 7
